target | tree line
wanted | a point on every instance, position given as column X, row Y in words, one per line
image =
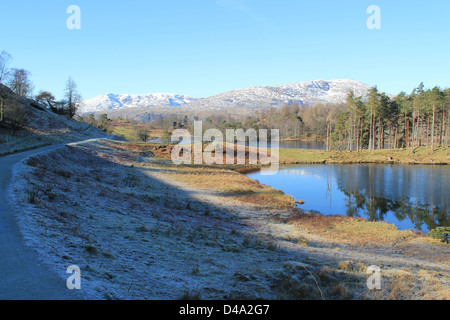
column 404, row 121
column 376, row 121
column 294, row 122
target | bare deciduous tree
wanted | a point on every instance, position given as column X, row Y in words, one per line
column 73, row 98
column 20, row 82
column 5, row 58
column 143, row 135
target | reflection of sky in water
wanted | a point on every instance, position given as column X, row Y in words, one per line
column 334, row 189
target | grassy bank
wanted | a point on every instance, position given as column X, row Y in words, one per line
column 130, row 131
column 422, row 155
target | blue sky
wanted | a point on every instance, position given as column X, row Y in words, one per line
column 205, row 47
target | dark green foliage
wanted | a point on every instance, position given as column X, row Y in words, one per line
column 438, row 232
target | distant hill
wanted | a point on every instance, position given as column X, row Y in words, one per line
column 303, row 93
column 146, row 107
column 42, row 126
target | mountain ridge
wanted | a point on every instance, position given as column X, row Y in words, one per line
column 242, row 100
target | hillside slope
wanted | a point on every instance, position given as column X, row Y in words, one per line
column 42, row 127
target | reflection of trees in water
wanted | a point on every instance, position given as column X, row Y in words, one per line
column 370, row 190
column 418, row 213
column 376, row 209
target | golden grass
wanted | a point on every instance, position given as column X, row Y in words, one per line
column 129, row 130
column 293, row 156
column 422, row 155
column 230, row 184
column 408, row 286
column 353, row 230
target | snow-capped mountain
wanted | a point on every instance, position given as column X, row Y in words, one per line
column 244, row 100
column 303, row 93
column 122, row 101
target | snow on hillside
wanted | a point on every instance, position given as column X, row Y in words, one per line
column 119, row 101
column 303, row 93
column 307, row 92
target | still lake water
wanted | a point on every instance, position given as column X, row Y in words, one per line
column 410, row 197
column 296, row 144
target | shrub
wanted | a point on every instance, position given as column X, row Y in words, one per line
column 91, row 249
column 292, row 288
column 436, row 233
column 17, row 116
column 142, row 229
column 32, row 195
column 33, row 162
column 195, row 294
column 340, row 291
column 63, row 173
column 346, row 265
